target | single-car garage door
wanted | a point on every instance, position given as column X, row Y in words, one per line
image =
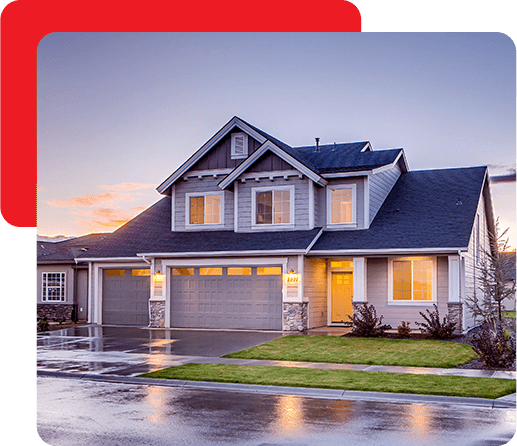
column 227, row 297
column 125, row 297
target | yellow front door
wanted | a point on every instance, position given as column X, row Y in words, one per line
column 342, row 291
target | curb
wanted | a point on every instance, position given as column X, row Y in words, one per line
column 505, row 402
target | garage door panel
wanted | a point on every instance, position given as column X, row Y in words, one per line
column 226, row 301
column 125, row 299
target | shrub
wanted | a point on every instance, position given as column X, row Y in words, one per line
column 42, row 325
column 432, row 326
column 404, row 329
column 366, row 323
column 495, row 348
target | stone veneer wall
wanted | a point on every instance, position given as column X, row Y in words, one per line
column 56, row 311
column 295, row 316
column 157, row 314
column 456, row 315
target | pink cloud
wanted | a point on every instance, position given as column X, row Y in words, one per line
column 90, row 200
column 103, row 218
column 127, row 186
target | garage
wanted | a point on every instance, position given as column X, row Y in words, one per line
column 125, row 296
column 234, row 297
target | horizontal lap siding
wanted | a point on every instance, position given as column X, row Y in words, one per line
column 377, row 294
column 315, row 288
column 322, row 199
column 380, row 186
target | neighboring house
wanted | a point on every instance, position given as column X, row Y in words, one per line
column 255, row 234
column 509, row 275
column 62, row 283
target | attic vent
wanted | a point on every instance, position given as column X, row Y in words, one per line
column 239, row 145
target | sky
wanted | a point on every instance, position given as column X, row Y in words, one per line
column 118, row 113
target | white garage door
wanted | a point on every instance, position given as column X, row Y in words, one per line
column 125, row 297
column 227, row 297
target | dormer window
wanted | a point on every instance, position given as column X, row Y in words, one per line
column 341, row 205
column 239, row 145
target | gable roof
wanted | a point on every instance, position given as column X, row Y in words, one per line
column 330, row 158
column 67, row 250
column 150, row 233
column 422, row 211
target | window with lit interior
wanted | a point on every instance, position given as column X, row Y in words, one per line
column 273, row 207
column 341, row 207
column 413, row 280
column 204, row 209
column 53, row 287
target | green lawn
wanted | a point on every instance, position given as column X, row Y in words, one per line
column 340, row 379
column 349, row 350
column 509, row 314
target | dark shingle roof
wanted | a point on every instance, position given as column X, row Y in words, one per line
column 509, row 265
column 67, row 250
column 150, row 232
column 421, row 211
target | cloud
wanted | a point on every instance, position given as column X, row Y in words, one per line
column 103, row 218
column 506, row 178
column 90, row 200
column 126, row 186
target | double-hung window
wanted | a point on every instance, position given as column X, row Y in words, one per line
column 204, row 209
column 273, row 206
column 53, row 287
column 413, row 280
column 341, row 204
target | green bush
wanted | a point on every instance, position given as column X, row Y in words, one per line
column 43, row 324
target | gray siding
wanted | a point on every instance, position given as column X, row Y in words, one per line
column 220, row 155
column 193, row 185
column 315, row 289
column 301, row 201
column 377, row 293
column 380, row 186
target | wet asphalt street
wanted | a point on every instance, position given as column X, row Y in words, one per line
column 76, row 412
column 88, row 412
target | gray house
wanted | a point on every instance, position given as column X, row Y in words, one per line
column 255, row 234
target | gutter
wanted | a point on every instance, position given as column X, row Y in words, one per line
column 277, row 252
column 384, row 252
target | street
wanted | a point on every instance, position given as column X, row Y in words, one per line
column 80, row 412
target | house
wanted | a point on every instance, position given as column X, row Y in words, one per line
column 255, row 234
column 62, row 283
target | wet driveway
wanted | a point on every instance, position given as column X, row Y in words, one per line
column 131, row 351
column 77, row 412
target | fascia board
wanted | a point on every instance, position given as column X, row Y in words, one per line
column 108, row 259
column 393, row 251
column 268, row 145
column 357, row 173
column 234, row 122
column 275, row 252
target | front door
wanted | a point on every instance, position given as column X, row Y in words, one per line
column 342, row 291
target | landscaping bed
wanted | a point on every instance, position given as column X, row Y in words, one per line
column 352, row 350
column 340, row 379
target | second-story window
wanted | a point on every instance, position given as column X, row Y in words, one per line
column 341, row 206
column 273, row 206
column 204, row 209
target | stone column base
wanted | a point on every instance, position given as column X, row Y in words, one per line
column 295, row 316
column 157, row 313
column 455, row 312
column 57, row 311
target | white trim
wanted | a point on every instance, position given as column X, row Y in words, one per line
column 385, row 252
column 388, row 166
column 268, row 145
column 392, row 301
column 367, row 147
column 360, row 280
column 300, row 273
column 236, row 206
column 173, row 207
column 244, row 261
column 206, row 173
column 90, row 297
column 110, row 259
column 201, row 226
column 62, row 287
column 271, row 175
column 366, row 196
column 226, row 253
column 314, row 241
column 276, row 226
column 244, row 154
column 353, row 223
column 359, row 173
column 311, row 204
column 234, row 122
column 454, row 279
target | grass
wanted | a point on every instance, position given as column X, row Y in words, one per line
column 509, row 314
column 349, row 350
column 340, row 379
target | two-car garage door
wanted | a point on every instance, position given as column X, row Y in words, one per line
column 243, row 297
column 227, row 297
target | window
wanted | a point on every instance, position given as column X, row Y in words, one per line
column 141, row 272
column 204, row 209
column 239, row 271
column 341, row 204
column 182, row 271
column 413, row 280
column 210, row 271
column 114, row 272
column 239, row 145
column 53, row 289
column 273, row 206
column 269, row 270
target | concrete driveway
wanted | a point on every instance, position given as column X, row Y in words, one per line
column 129, row 351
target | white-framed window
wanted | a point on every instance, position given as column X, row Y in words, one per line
column 53, row 287
column 239, row 145
column 204, row 208
column 412, row 279
column 273, row 206
column 341, row 205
